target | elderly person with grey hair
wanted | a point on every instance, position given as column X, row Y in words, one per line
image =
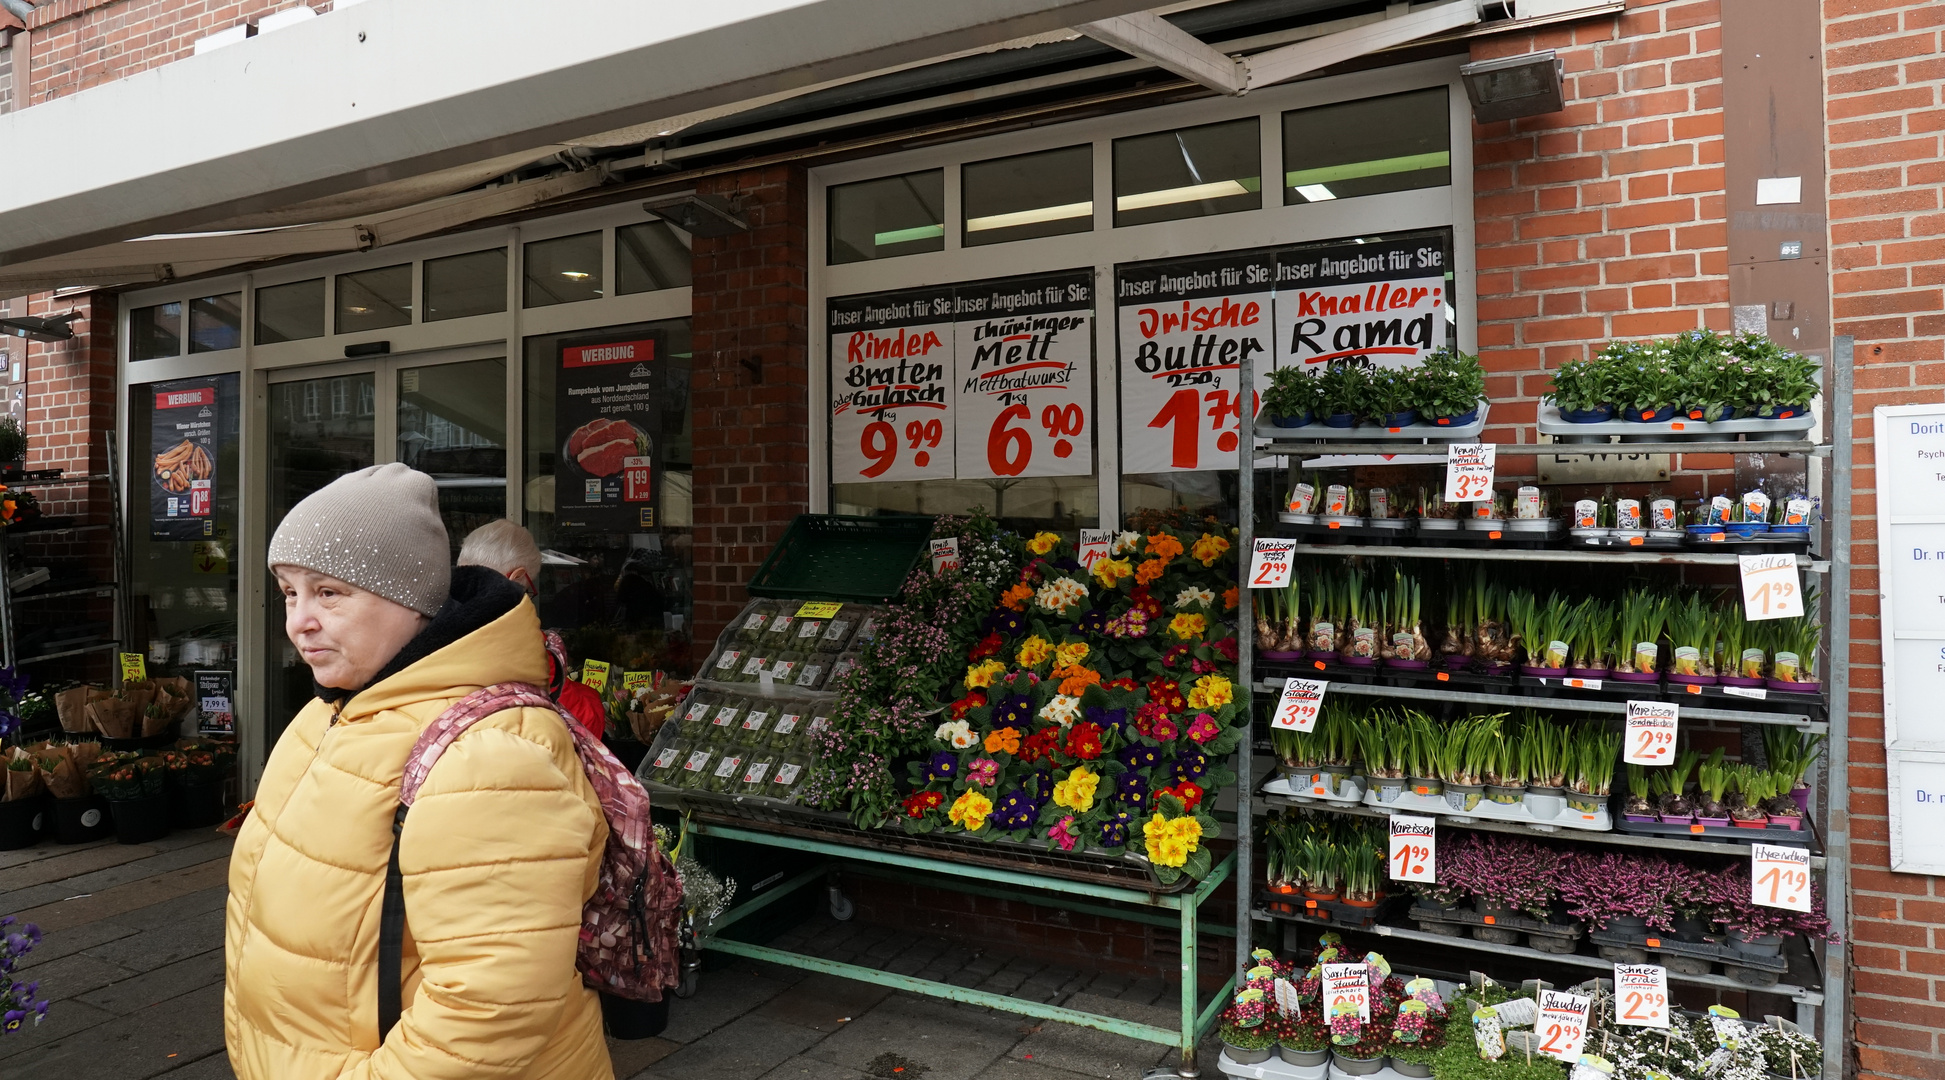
column 509, row 550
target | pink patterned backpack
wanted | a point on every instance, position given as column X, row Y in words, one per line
column 628, row 927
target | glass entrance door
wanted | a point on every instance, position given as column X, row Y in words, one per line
column 452, row 423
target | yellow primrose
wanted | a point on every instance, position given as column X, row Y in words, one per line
column 1043, row 543
column 984, row 673
column 1211, row 692
column 1034, row 651
column 1208, row 549
column 970, row 810
column 1185, row 626
column 1077, row 791
column 1070, row 654
column 1112, row 572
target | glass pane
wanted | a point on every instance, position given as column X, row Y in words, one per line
column 320, row 429
column 155, row 331
column 1030, row 504
column 563, row 270
column 617, row 594
column 879, row 219
column 216, row 323
column 1045, row 194
column 452, row 423
column 184, row 566
column 1366, row 147
column 290, row 312
column 1193, row 172
column 650, row 256
column 461, row 285
column 375, row 299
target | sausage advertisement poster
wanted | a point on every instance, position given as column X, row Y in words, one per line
column 182, row 460
column 607, row 414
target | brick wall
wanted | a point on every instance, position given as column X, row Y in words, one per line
column 751, row 386
column 1885, row 73
column 81, row 43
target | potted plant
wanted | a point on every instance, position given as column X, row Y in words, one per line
column 1593, row 632
column 1793, row 653
column 1382, row 740
column 1493, row 643
column 1593, row 752
column 1450, row 387
column 1672, row 800
column 135, row 786
column 1645, row 382
column 1639, row 806
column 1542, row 629
column 1405, row 645
column 1390, row 397
column 1360, row 645
column 1712, row 780
column 1777, row 383
column 1505, row 771
column 1543, row 745
column 1415, row 1037
column 1468, row 745
column 1784, row 1054
column 1757, row 929
column 1328, row 600
column 1291, row 401
column 1357, row 1048
column 1625, row 894
column 1246, row 1039
column 1364, row 872
column 1791, row 753
column 1753, row 787
column 1712, row 380
column 1424, row 746
column 1279, row 629
column 18, row 999
column 1583, row 392
column 24, row 810
column 1304, row 1043
column 1321, row 866
column 1691, row 633
column 13, row 445
column 1642, row 618
column 1341, row 392
column 1741, row 659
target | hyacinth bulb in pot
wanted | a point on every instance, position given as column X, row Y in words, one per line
column 1327, row 603
column 1360, row 646
column 1592, row 750
column 1638, row 656
column 1543, row 749
column 1791, row 754
column 1712, row 780
column 1493, row 645
column 1364, row 873
column 1671, row 799
column 1753, row 787
column 1543, row 628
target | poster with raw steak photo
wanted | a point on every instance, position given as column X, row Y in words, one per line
column 607, row 415
column 182, row 460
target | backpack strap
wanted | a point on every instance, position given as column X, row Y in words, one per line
column 426, row 752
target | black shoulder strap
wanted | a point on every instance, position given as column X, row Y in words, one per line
column 391, row 937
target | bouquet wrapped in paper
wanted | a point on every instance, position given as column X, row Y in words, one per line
column 166, row 709
column 120, row 715
column 64, row 776
column 23, row 777
column 71, row 708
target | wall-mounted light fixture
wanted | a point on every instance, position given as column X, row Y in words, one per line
column 37, row 328
column 1514, row 86
column 698, row 215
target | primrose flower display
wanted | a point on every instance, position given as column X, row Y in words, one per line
column 1060, row 594
column 1061, row 709
column 1194, row 595
column 983, row 771
column 1004, row 740
column 1064, row 834
column 1164, row 546
column 1208, row 549
column 1185, row 625
column 1042, row 543
column 983, row 674
column 1211, row 692
column 1070, row 653
column 1203, row 728
column 970, row 810
column 1112, row 572
column 1077, row 791
column 1125, row 542
column 956, row 732
column 1034, row 651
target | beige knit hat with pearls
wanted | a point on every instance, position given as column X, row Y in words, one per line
column 377, row 529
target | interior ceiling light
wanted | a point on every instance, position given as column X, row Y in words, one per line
column 1142, row 200
column 1035, row 216
column 1315, row 192
column 577, row 275
column 1514, row 86
column 906, row 236
column 1357, row 170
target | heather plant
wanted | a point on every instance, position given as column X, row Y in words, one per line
column 1506, row 871
column 1728, row 892
column 1602, row 888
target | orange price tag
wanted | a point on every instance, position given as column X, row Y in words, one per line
column 1443, row 677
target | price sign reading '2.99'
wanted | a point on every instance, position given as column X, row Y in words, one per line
column 1641, row 995
column 1184, row 328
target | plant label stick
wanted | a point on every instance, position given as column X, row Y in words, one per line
column 1414, row 848
column 1348, row 984
column 1297, row 709
column 1640, row 995
column 945, row 555
column 1270, row 563
column 1650, row 737
column 1771, row 587
column 1287, row 1001
column 1469, row 471
column 1094, row 546
column 1779, row 876
column 1562, row 1025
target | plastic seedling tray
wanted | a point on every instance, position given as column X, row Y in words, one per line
column 1726, row 834
column 1487, row 810
column 1678, row 429
column 834, row 557
column 1545, row 936
column 1701, row 950
column 1310, row 787
column 1297, row 907
column 1367, row 433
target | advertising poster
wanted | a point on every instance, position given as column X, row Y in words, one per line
column 607, row 414
column 1381, row 303
column 213, row 703
column 1184, row 326
column 1023, row 353
column 182, row 460
column 891, row 371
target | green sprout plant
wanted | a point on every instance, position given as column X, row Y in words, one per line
column 1295, row 393
column 1691, row 631
column 1449, row 384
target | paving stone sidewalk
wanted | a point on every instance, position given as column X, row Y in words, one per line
column 133, row 962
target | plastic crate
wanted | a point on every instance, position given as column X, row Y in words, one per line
column 832, row 557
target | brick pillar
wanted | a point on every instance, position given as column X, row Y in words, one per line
column 750, row 389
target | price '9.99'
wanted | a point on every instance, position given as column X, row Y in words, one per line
column 879, row 442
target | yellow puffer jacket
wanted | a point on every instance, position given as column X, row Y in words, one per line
column 499, row 853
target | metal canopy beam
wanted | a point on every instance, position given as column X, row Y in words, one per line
column 1290, row 61
column 1167, row 46
column 390, row 89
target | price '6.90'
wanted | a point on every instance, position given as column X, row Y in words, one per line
column 1009, row 444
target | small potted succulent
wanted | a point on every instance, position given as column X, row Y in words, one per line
column 1293, row 396
column 1450, row 387
column 1583, row 392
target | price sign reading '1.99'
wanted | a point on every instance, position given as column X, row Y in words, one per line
column 1023, row 353
column 1184, row 328
column 1414, row 848
column 892, row 386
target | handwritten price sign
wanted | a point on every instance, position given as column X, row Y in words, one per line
column 1650, row 738
column 1297, row 709
column 1779, row 877
column 1094, row 546
column 1640, row 995
column 1562, row 1025
column 1414, row 848
column 1347, row 983
column 1771, row 587
column 1270, row 562
column 1469, row 471
column 945, row 555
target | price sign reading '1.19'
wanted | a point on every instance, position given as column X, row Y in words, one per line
column 1650, row 735
column 1779, row 876
column 892, row 386
column 1414, row 848
column 1023, row 355
column 1184, row 327
column 1641, row 995
column 1094, row 547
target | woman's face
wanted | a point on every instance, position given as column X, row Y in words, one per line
column 344, row 633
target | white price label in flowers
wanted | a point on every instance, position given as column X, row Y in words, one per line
column 1640, row 995
column 1779, row 876
column 1297, row 709
column 1287, row 1001
column 1469, row 471
column 1348, row 984
column 1094, row 546
column 1414, row 848
column 945, row 555
column 1771, row 587
column 1650, row 738
column 1562, row 1026
column 1270, row 562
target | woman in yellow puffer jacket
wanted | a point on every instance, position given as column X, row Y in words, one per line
column 500, row 851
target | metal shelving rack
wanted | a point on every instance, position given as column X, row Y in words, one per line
column 114, row 587
column 1831, row 828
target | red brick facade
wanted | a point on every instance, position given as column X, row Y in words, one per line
column 76, row 44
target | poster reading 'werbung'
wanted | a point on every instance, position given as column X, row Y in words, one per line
column 1184, row 326
column 182, row 465
column 1380, row 303
column 891, row 393
column 607, row 414
column 1023, row 351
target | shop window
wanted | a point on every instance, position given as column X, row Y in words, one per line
column 564, row 270
column 650, row 257
column 290, row 312
column 1050, row 193
column 881, row 219
column 616, row 534
column 1188, row 173
column 458, row 286
column 1367, row 147
column 216, row 323
column 155, row 332
column 375, row 299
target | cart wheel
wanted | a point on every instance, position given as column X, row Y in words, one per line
column 841, row 907
column 688, row 985
column 1170, row 1072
